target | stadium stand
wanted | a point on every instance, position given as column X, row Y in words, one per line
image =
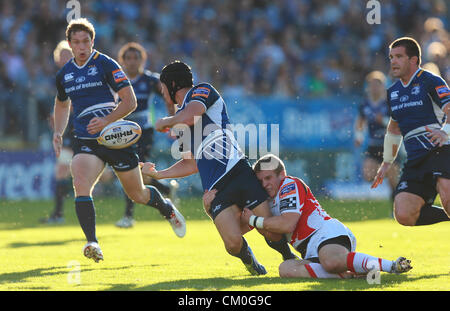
column 287, row 48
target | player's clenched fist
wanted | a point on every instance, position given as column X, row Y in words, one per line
column 148, row 169
column 96, row 125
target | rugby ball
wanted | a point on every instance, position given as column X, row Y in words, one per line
column 120, row 134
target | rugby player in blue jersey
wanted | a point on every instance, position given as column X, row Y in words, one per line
column 92, row 82
column 132, row 57
column 374, row 115
column 208, row 146
column 420, row 110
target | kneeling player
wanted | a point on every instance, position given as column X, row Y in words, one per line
column 326, row 245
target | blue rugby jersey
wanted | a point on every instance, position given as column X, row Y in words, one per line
column 369, row 111
column 92, row 89
column 145, row 87
column 211, row 139
column 415, row 105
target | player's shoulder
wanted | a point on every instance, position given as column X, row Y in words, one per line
column 394, row 86
column 426, row 75
column 104, row 59
column 150, row 76
column 291, row 185
column 64, row 70
column 203, row 90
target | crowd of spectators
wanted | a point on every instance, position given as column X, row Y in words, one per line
column 286, row 48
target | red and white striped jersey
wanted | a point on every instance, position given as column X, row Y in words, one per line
column 294, row 196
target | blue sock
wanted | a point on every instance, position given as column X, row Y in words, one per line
column 84, row 207
column 157, row 201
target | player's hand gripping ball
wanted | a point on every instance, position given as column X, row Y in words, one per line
column 120, row 134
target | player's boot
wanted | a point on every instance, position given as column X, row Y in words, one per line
column 92, row 250
column 255, row 268
column 125, row 222
column 177, row 221
column 401, row 265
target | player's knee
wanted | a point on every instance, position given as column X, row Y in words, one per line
column 404, row 216
column 139, row 197
column 331, row 265
column 233, row 244
column 285, row 269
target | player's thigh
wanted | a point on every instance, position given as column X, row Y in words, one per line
column 443, row 188
column 86, row 169
column 262, row 210
column 227, row 223
column 333, row 257
column 293, row 268
column 370, row 168
column 133, row 185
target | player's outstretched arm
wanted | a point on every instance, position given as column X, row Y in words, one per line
column 126, row 106
column 285, row 223
column 182, row 168
column 186, row 116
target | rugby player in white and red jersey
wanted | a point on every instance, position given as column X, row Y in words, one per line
column 327, row 246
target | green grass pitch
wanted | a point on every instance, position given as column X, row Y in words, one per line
column 150, row 257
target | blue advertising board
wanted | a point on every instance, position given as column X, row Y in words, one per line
column 26, row 175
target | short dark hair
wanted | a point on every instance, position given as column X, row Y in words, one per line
column 412, row 47
column 269, row 158
column 80, row 24
column 132, row 46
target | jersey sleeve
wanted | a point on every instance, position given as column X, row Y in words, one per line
column 205, row 94
column 60, row 91
column 439, row 91
column 115, row 76
column 291, row 198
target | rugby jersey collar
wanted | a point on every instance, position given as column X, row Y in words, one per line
column 88, row 60
column 412, row 78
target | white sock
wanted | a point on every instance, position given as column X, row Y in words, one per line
column 362, row 263
column 316, row 271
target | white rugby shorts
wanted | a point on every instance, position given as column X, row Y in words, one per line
column 331, row 228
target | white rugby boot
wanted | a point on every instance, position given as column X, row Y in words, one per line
column 125, row 222
column 177, row 221
column 92, row 250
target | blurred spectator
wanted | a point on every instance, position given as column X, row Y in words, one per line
column 288, row 48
